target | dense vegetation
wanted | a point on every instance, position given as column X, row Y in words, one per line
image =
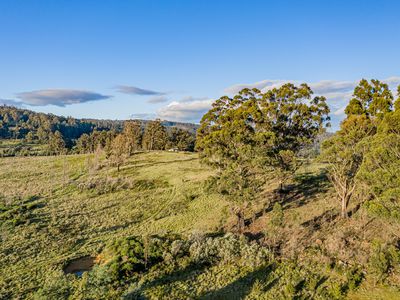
column 261, row 212
column 25, row 132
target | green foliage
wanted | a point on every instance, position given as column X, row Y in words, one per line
column 344, row 153
column 381, row 173
column 118, row 151
column 56, row 143
column 131, row 255
column 277, row 216
column 82, row 136
column 133, row 136
column 155, row 136
column 373, row 98
column 382, row 260
column 56, row 286
column 181, row 139
column 245, row 135
column 17, row 213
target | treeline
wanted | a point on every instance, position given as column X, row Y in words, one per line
column 70, row 135
column 133, row 138
column 253, row 135
column 18, row 123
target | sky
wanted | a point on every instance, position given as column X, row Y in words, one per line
column 170, row 59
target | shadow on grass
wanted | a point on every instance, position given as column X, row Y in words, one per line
column 156, row 163
column 325, row 218
column 189, row 272
column 241, row 287
column 305, row 188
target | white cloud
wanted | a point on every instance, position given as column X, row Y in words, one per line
column 59, row 97
column 185, row 111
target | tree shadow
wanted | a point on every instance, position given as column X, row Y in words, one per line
column 191, row 271
column 325, row 218
column 241, row 287
column 306, row 186
column 156, row 163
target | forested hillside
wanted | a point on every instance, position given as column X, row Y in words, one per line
column 24, row 132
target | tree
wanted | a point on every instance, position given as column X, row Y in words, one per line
column 155, row 136
column 244, row 136
column 344, row 155
column 373, row 98
column 397, row 102
column 380, row 172
column 56, row 143
column 344, row 152
column 118, row 153
column 29, row 137
column 83, row 143
column 181, row 139
column 42, row 135
column 133, row 136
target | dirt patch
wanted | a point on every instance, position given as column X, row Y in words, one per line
column 79, row 265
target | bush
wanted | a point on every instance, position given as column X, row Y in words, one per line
column 382, row 260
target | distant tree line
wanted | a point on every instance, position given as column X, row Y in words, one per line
column 67, row 134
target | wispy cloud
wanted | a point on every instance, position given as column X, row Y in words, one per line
column 143, row 116
column 261, row 85
column 157, row 99
column 132, row 90
column 59, row 97
column 10, row 102
column 185, row 111
column 187, row 99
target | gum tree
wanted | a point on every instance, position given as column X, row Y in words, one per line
column 252, row 133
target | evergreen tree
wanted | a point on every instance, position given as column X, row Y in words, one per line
column 155, row 136
column 181, row 139
column 253, row 132
column 373, row 98
column 83, row 144
column 133, row 136
column 397, row 102
column 56, row 143
column 118, row 153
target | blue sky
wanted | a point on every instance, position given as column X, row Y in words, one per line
column 169, row 59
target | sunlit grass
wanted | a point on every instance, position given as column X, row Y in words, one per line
column 153, row 193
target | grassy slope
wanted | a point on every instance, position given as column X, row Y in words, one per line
column 78, row 212
column 162, row 193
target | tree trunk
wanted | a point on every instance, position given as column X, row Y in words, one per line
column 344, row 208
column 240, row 220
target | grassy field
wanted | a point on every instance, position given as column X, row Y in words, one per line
column 54, row 209
column 81, row 204
column 20, row 148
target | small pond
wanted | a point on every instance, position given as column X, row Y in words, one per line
column 79, row 265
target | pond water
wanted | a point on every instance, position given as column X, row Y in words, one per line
column 79, row 265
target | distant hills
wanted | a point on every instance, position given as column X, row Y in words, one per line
column 17, row 123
